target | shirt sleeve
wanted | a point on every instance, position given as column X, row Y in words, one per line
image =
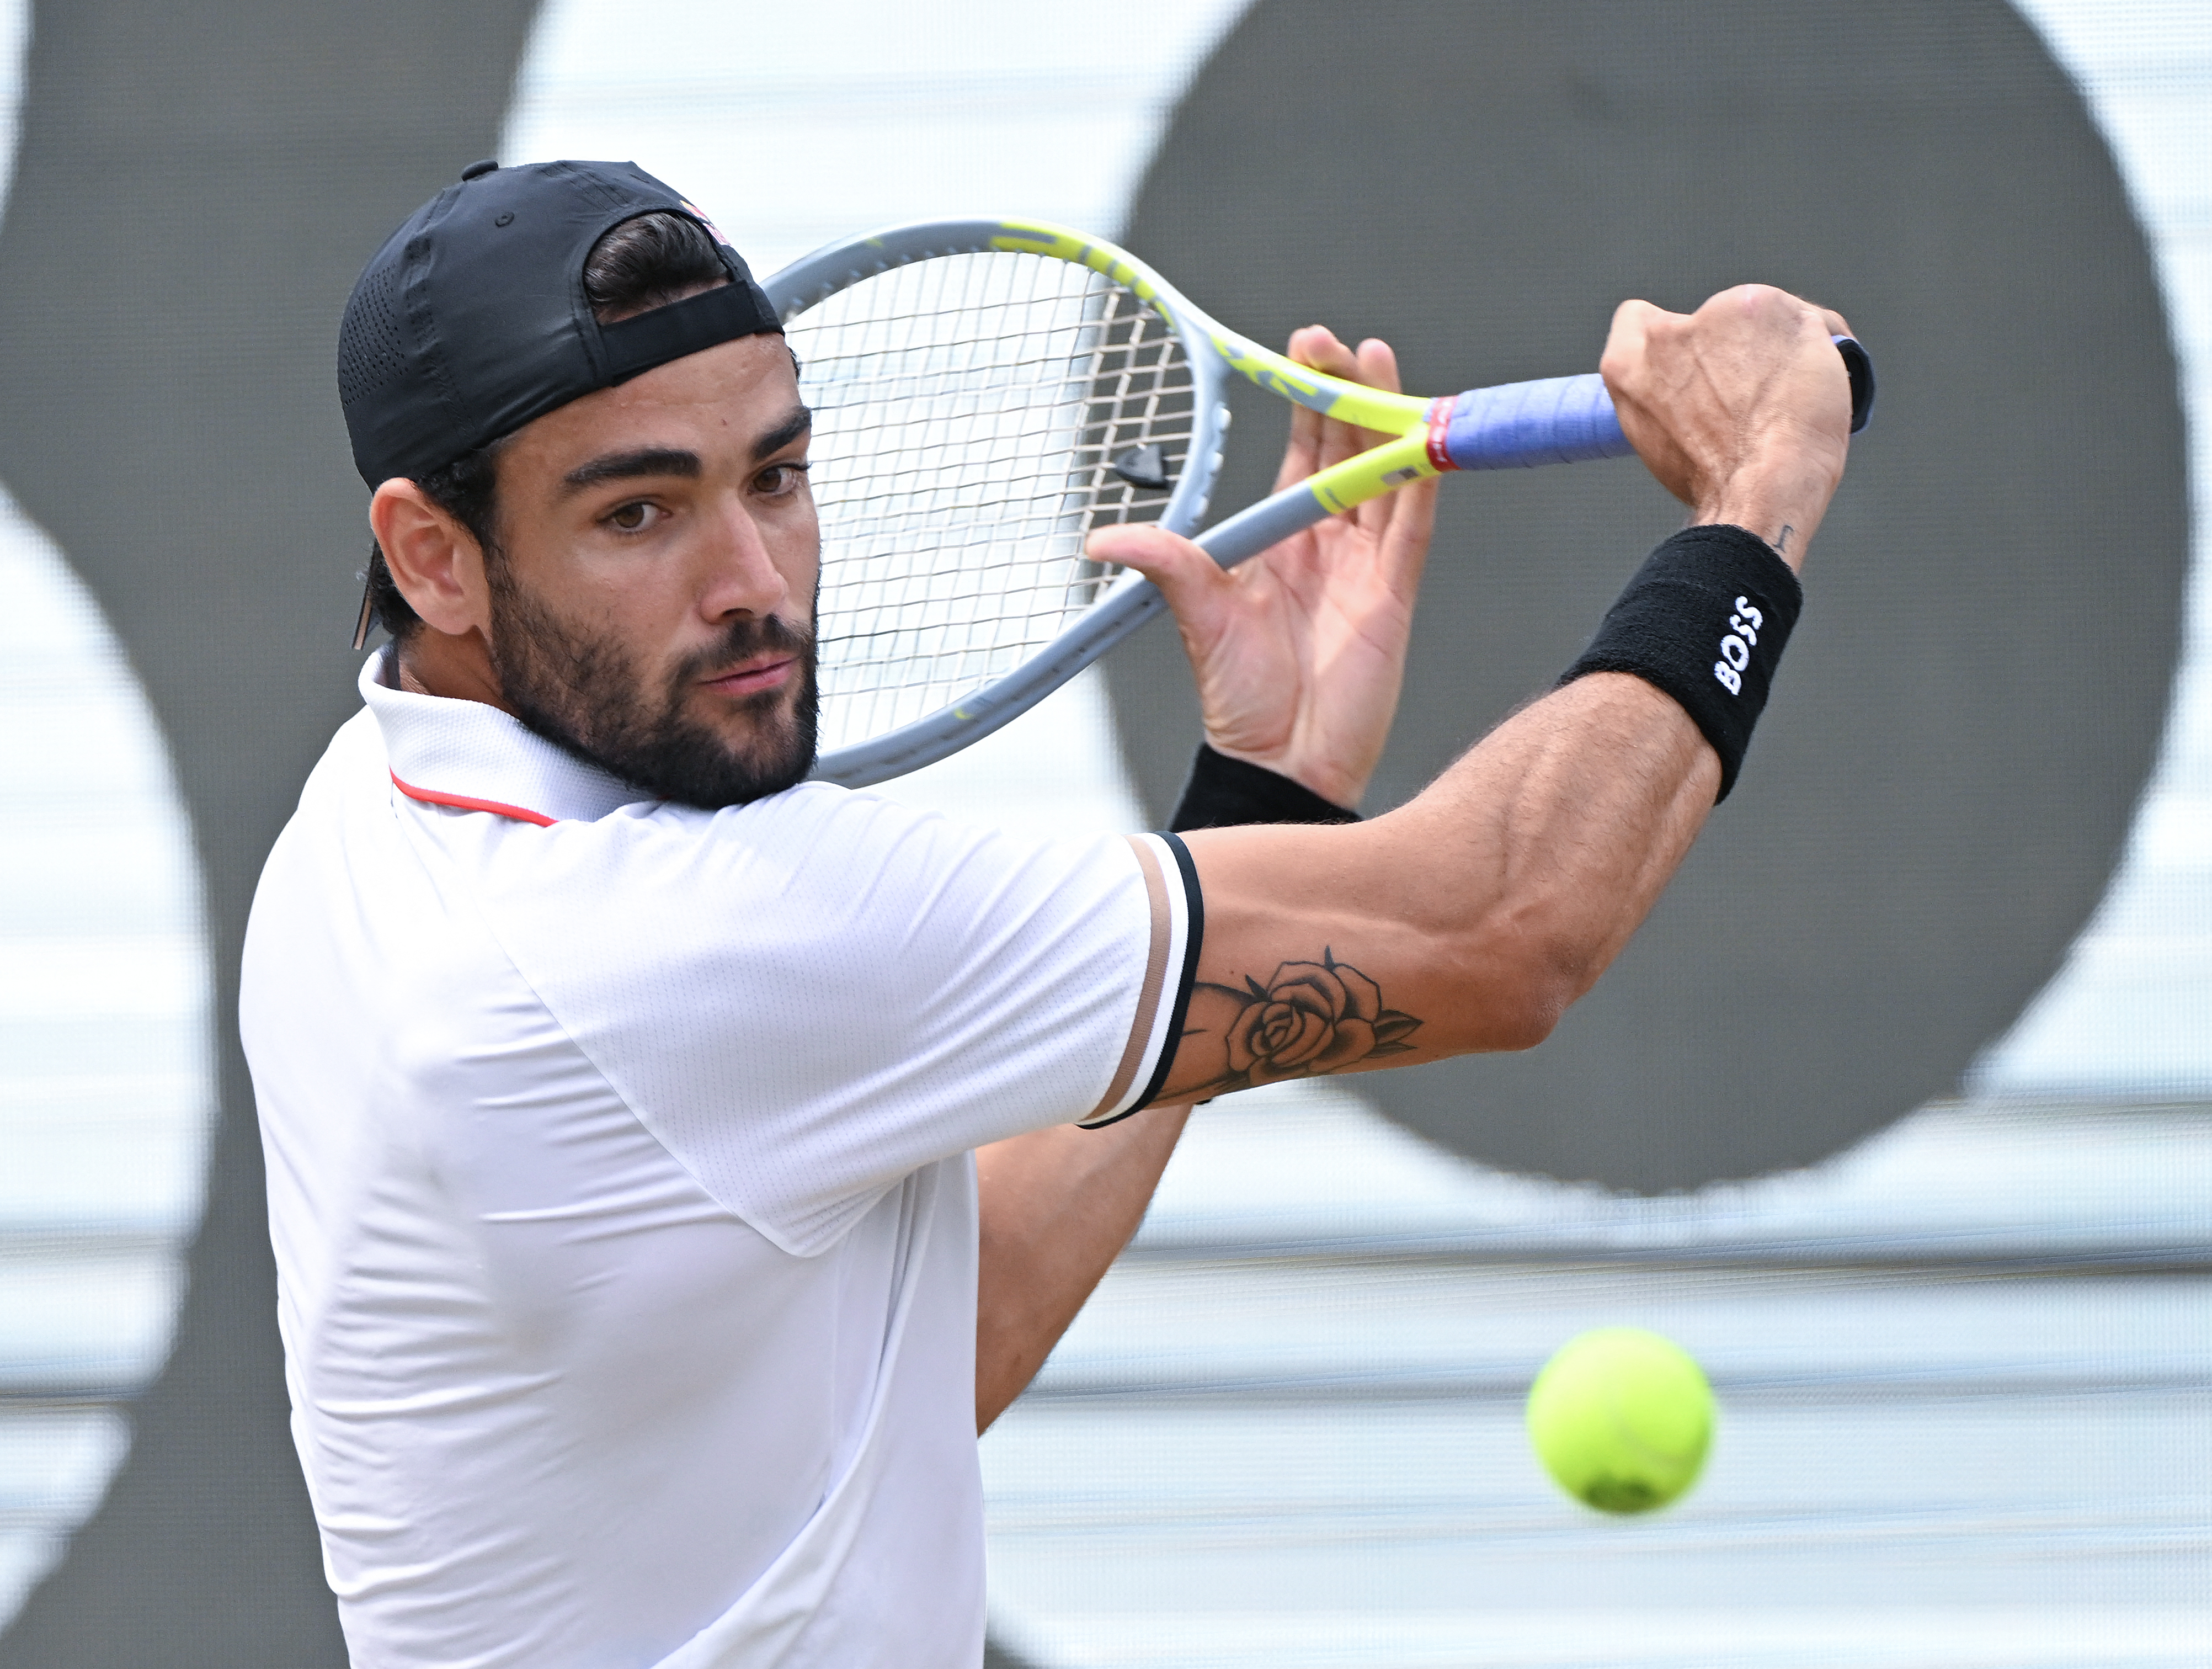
column 1178, row 929
column 808, row 998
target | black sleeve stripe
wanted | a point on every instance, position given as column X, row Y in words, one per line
column 1194, row 935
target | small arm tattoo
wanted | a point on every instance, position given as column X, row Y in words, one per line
column 1309, row 1018
column 1782, row 540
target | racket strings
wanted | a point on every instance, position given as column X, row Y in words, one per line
column 970, row 413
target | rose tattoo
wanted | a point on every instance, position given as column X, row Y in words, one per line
column 1310, row 1018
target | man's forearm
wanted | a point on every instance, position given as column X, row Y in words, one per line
column 1469, row 918
column 1057, row 1207
column 1572, row 817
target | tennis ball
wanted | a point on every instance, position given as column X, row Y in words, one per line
column 1622, row 1419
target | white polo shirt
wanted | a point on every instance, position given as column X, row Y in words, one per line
column 620, row 1186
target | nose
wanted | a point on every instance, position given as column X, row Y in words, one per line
column 741, row 577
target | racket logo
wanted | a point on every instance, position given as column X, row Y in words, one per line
column 1736, row 647
column 1269, row 373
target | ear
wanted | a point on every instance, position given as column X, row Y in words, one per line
column 434, row 561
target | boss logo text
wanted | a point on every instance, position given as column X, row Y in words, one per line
column 1735, row 647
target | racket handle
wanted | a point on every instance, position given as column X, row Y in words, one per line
column 1519, row 425
column 1571, row 420
column 1516, row 425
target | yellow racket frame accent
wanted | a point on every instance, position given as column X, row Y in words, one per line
column 1379, row 470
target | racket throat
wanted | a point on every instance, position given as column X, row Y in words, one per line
column 1383, row 469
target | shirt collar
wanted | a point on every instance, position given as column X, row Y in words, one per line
column 464, row 753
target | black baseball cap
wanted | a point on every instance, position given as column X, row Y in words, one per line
column 473, row 318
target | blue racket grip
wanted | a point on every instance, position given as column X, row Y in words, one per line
column 1569, row 420
column 1519, row 425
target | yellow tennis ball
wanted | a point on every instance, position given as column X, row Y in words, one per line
column 1622, row 1419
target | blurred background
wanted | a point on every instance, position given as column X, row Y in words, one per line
column 1961, row 1339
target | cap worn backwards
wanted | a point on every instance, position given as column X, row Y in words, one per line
column 473, row 318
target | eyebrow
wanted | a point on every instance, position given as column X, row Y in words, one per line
column 625, row 465
column 674, row 460
column 799, row 421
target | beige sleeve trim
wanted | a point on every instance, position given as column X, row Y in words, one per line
column 1156, row 976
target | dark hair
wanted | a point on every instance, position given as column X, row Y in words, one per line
column 641, row 264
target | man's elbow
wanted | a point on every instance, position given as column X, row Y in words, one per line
column 1517, row 992
column 1524, row 1017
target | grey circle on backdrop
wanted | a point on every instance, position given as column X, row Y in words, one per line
column 195, row 189
column 1946, row 775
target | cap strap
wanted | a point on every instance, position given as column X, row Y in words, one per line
column 705, row 321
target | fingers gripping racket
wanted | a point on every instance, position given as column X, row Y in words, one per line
column 986, row 393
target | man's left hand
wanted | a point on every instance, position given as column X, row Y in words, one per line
column 1300, row 653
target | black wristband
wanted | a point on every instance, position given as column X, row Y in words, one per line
column 1225, row 793
column 1705, row 619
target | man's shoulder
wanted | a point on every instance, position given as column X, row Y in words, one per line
column 355, row 750
column 812, row 818
column 353, row 756
column 828, row 828
column 816, row 865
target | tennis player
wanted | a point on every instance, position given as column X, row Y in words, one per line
column 619, row 1086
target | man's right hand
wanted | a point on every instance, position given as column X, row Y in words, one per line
column 1742, row 409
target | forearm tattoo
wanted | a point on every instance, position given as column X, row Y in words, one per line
column 1309, row 1018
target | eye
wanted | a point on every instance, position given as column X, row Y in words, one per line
column 780, row 480
column 633, row 518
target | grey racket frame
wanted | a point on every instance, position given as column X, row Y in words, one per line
column 1133, row 599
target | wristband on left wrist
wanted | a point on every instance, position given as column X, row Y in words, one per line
column 1223, row 793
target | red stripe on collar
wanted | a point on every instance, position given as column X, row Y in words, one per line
column 462, row 802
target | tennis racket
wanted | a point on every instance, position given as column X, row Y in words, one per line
column 985, row 392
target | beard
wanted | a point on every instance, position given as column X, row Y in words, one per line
column 583, row 695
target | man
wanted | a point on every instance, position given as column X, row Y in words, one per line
column 619, row 1086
